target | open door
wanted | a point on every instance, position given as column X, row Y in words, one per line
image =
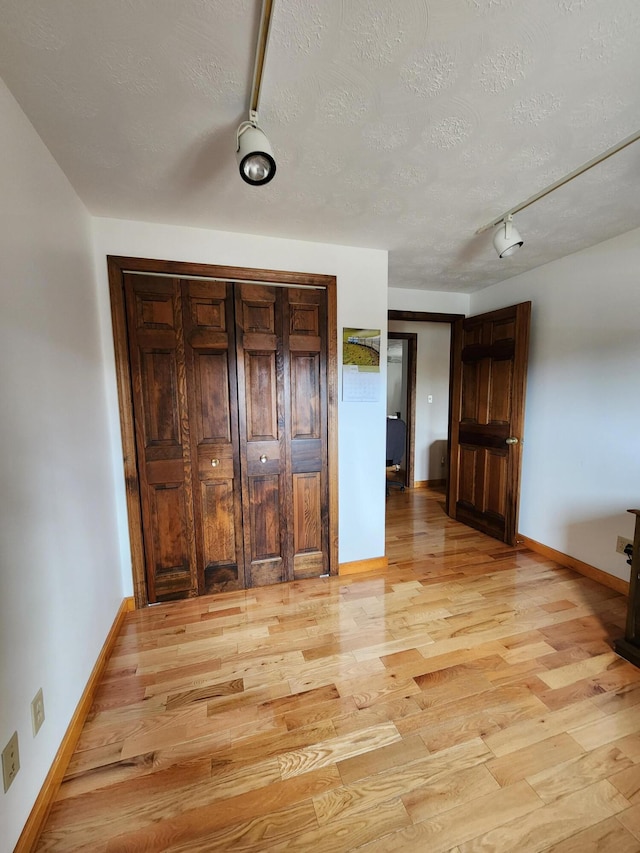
column 488, row 380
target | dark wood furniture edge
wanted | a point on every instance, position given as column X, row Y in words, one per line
column 629, row 647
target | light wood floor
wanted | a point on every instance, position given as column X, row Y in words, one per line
column 466, row 699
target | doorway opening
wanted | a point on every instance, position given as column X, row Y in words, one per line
column 419, row 377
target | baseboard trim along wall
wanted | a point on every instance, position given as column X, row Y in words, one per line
column 428, row 484
column 358, row 566
column 585, row 569
column 40, row 811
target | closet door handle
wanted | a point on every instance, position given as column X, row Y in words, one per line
column 511, row 440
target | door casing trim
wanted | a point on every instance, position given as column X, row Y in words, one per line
column 116, row 266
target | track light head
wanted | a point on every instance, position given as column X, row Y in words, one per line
column 506, row 238
column 255, row 155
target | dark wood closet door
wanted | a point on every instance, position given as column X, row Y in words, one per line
column 265, row 499
column 209, row 331
column 305, row 326
column 230, row 401
column 156, row 347
column 281, row 340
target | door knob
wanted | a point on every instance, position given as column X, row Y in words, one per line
column 215, row 462
column 511, row 440
column 263, row 458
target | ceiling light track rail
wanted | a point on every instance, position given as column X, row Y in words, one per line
column 595, row 161
column 261, row 55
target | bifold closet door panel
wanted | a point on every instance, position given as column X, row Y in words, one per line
column 230, row 406
column 159, row 390
column 265, row 502
column 305, row 347
column 209, row 331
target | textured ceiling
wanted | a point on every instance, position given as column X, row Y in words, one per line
column 402, row 125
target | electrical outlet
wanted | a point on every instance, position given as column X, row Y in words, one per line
column 37, row 712
column 10, row 761
column 621, row 544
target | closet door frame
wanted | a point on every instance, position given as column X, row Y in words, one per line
column 117, row 266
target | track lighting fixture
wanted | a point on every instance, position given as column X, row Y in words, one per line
column 254, row 153
column 506, row 238
column 505, row 235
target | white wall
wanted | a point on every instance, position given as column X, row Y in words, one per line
column 404, row 299
column 581, row 465
column 432, row 380
column 59, row 578
column 362, row 303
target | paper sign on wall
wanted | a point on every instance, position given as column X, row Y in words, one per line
column 361, row 365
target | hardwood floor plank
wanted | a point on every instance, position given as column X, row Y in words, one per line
column 192, row 825
column 449, row 791
column 465, row 822
column 630, row 819
column 321, row 754
column 465, row 698
column 580, row 772
column 534, row 759
column 349, row 833
column 609, row 834
column 628, row 783
column 554, row 822
column 366, row 793
column 404, row 751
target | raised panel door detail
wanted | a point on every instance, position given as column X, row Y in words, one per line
column 500, row 392
column 304, row 319
column 470, row 404
column 495, row 491
column 468, row 459
column 219, row 531
column 212, row 400
column 160, row 396
column 220, row 546
column 264, row 500
column 154, row 311
column 305, row 396
column 307, row 522
column 261, row 396
column 472, row 335
column 259, row 316
column 170, row 553
column 208, row 313
column 503, row 330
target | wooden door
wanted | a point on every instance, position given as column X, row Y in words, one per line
column 160, row 402
column 306, row 418
column 210, row 369
column 489, row 368
column 281, row 363
column 204, row 516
